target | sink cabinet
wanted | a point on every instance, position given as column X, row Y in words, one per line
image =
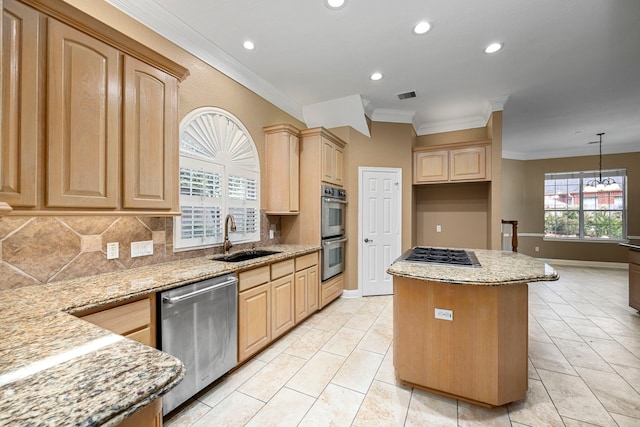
column 270, row 301
column 456, row 163
column 89, row 116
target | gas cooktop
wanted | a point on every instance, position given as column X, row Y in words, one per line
column 454, row 257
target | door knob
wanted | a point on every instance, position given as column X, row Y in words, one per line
column 367, row 240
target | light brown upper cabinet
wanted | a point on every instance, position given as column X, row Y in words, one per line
column 102, row 106
column 457, row 163
column 150, row 135
column 83, row 117
column 282, row 172
column 332, row 161
column 19, row 120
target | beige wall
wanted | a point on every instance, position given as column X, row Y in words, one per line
column 470, row 214
column 523, row 193
column 390, row 147
column 460, row 209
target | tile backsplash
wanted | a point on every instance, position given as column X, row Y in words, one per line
column 37, row 250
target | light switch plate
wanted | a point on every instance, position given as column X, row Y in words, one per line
column 113, row 251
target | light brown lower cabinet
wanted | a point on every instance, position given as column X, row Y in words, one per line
column 331, row 289
column 254, row 320
column 149, row 416
column 273, row 299
column 306, row 286
column 135, row 320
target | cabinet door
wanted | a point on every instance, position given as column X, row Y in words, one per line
column 634, row 285
column 282, row 149
column 282, row 305
column 84, row 89
column 430, row 166
column 301, row 297
column 328, row 159
column 254, row 320
column 313, row 285
column 19, row 120
column 468, row 164
column 338, row 163
column 150, row 144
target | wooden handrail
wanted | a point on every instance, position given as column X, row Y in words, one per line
column 514, row 233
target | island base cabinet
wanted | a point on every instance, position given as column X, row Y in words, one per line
column 149, row 416
column 634, row 279
column 479, row 356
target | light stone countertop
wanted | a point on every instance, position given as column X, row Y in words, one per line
column 497, row 268
column 634, row 245
column 56, row 369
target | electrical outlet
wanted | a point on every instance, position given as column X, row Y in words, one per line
column 438, row 229
column 443, row 314
column 113, row 250
column 537, row 249
column 143, row 248
column 272, row 234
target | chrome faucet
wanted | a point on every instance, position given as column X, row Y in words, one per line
column 227, row 243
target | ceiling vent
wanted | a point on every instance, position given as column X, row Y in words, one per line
column 407, row 95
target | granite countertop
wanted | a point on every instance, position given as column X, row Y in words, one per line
column 56, row 369
column 632, row 244
column 497, row 268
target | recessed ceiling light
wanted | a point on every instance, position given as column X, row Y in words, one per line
column 493, row 47
column 376, row 76
column 335, row 4
column 421, row 27
column 248, row 45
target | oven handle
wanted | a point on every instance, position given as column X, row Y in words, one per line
column 331, row 242
column 332, row 200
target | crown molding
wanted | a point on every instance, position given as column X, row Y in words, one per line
column 392, row 116
column 461, row 123
column 152, row 15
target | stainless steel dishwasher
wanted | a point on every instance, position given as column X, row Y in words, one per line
column 199, row 326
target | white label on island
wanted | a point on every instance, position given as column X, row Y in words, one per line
column 443, row 314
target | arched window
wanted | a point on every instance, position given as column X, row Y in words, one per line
column 219, row 175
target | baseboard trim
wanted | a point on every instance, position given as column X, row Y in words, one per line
column 351, row 293
column 580, row 263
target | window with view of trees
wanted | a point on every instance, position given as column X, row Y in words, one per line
column 576, row 209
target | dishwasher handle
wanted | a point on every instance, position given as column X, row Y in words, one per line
column 174, row 300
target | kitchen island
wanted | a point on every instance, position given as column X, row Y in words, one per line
column 634, row 273
column 463, row 331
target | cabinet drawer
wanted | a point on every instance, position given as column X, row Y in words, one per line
column 634, row 257
column 123, row 319
column 282, row 268
column 306, row 261
column 143, row 336
column 251, row 278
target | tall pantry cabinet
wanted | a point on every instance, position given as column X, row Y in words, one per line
column 101, row 106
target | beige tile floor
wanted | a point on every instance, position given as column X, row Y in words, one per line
column 336, row 368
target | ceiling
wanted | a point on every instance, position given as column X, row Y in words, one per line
column 568, row 70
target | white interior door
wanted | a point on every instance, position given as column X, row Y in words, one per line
column 380, row 208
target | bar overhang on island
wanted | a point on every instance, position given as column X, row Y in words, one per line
column 463, row 332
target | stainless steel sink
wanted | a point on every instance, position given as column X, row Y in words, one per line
column 244, row 255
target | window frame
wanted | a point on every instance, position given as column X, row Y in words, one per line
column 214, row 141
column 583, row 177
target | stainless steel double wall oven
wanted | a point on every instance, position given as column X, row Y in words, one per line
column 334, row 206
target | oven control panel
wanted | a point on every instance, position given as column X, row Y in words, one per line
column 335, row 192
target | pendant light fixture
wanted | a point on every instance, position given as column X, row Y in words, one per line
column 600, row 184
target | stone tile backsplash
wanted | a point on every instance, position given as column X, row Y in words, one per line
column 37, row 250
